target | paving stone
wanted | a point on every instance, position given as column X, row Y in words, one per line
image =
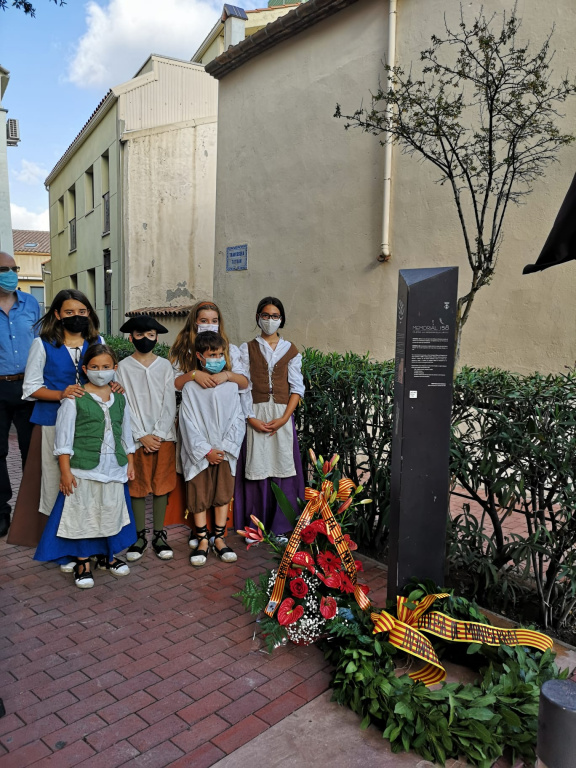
column 158, row 733
column 116, row 755
column 200, row 732
column 104, row 738
column 203, row 757
column 280, row 708
column 240, row 734
column 67, row 757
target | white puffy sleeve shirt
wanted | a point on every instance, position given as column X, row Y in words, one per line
column 152, row 397
column 210, row 418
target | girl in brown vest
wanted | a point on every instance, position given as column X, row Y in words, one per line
column 270, row 452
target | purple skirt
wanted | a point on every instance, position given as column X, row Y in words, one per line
column 255, row 497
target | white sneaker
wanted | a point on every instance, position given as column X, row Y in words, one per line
column 68, row 567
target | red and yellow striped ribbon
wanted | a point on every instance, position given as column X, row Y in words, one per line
column 405, row 633
column 318, row 501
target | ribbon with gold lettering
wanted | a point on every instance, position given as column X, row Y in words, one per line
column 318, row 501
column 405, row 634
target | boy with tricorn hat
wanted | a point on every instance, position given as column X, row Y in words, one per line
column 148, row 381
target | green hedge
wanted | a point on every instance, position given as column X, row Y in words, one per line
column 513, row 451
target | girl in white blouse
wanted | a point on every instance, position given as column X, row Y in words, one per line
column 93, row 442
column 270, row 452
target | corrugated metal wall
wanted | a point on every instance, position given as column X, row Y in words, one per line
column 182, row 92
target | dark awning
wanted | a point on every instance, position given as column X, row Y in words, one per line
column 561, row 243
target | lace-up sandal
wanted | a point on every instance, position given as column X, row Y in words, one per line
column 136, row 551
column 117, row 567
column 82, row 576
column 161, row 547
column 199, row 556
column 225, row 554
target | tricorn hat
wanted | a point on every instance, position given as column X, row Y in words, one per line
column 142, row 323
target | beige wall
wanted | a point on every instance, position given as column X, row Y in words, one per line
column 306, row 196
column 170, row 180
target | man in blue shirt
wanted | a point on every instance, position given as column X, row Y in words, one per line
column 18, row 313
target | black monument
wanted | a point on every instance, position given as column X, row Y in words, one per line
column 425, row 338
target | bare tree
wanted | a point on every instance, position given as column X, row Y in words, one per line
column 484, row 112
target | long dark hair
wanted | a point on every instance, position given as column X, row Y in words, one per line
column 51, row 329
column 275, row 302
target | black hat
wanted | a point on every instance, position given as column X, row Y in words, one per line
column 142, row 323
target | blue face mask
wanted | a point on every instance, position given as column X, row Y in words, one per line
column 213, row 365
column 8, row 280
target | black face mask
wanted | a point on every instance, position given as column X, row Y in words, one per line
column 76, row 324
column 144, row 344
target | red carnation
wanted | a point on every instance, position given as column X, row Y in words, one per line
column 298, row 587
column 288, row 613
column 358, row 564
column 293, row 573
column 304, row 559
column 365, row 588
column 328, row 607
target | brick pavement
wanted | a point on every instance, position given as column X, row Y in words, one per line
column 158, row 668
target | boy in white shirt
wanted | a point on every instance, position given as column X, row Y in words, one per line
column 212, row 425
column 148, row 381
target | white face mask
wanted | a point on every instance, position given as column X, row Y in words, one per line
column 100, row 378
column 208, row 327
column 269, row 326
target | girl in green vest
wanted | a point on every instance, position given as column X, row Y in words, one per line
column 92, row 515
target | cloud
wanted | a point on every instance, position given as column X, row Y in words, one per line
column 22, row 218
column 121, row 35
column 30, row 173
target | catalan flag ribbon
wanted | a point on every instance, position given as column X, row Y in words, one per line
column 405, row 633
column 318, row 501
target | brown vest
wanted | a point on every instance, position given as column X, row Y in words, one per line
column 259, row 375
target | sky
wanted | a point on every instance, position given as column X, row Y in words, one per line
column 62, row 63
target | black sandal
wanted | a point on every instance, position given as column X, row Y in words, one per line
column 136, row 551
column 225, row 554
column 160, row 546
column 199, row 556
column 83, row 578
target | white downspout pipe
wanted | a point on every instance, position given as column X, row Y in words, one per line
column 385, row 253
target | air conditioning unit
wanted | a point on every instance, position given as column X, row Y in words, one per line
column 12, row 132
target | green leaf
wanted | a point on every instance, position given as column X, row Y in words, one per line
column 284, row 504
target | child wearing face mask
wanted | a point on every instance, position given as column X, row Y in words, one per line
column 270, row 452
column 92, row 515
column 212, row 424
column 148, row 382
column 53, row 374
column 203, row 317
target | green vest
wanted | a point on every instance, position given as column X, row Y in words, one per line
column 89, row 432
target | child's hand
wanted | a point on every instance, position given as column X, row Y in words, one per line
column 151, row 443
column 275, row 425
column 115, row 387
column 258, row 425
column 67, row 483
column 215, row 456
column 221, row 377
column 72, row 391
column 205, row 380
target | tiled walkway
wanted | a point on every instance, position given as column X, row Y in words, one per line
column 158, row 668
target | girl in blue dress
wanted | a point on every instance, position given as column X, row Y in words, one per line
column 93, row 442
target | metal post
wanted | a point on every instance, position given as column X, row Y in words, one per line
column 557, row 725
